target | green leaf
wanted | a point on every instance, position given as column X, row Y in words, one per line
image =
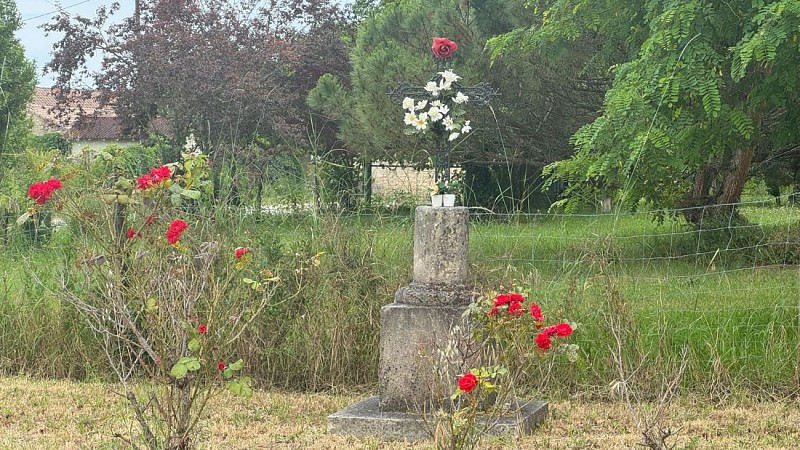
column 194, row 345
column 175, row 199
column 237, row 365
column 241, row 387
column 178, row 371
column 227, row 373
column 190, row 362
column 192, row 194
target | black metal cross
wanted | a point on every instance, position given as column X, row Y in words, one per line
column 481, row 94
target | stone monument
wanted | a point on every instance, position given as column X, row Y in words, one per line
column 414, row 328
column 417, row 326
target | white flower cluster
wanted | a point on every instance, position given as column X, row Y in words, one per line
column 421, row 114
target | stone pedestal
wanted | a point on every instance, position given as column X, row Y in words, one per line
column 418, row 323
column 415, row 328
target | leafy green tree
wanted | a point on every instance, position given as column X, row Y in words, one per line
column 703, row 92
column 17, row 81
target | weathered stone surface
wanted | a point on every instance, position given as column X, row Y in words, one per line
column 366, row 418
column 411, row 337
column 441, row 245
column 434, row 295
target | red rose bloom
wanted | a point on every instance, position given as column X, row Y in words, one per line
column 543, row 340
column 131, row 233
column 536, row 313
column 41, row 192
column 175, row 229
column 54, row 184
column 202, row 329
column 155, row 176
column 504, row 299
column 515, row 309
column 467, row 382
column 221, row 365
column 562, row 329
column 161, row 173
column 241, row 251
column 443, row 48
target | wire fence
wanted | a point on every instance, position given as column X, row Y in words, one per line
column 729, row 286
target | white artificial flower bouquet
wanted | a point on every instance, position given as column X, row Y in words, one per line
column 442, row 112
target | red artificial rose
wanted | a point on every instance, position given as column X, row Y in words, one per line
column 515, row 309
column 175, row 229
column 202, row 329
column 443, row 48
column 536, row 313
column 241, row 251
column 131, row 233
column 543, row 340
column 467, row 382
column 562, row 329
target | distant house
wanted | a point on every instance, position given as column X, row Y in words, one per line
column 82, row 121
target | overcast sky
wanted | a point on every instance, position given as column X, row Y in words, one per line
column 38, row 12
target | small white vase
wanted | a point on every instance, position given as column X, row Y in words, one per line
column 449, row 200
column 436, row 200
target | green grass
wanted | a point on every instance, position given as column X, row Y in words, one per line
column 730, row 295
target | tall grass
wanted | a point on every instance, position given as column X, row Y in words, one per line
column 730, row 294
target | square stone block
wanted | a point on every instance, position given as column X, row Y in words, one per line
column 409, row 373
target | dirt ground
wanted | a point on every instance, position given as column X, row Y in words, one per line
column 36, row 414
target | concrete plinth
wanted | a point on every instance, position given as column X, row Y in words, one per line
column 366, row 418
column 410, row 336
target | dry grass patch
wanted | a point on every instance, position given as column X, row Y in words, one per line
column 37, row 414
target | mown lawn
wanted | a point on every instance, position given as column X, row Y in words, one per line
column 37, row 414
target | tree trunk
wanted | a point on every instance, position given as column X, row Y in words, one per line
column 695, row 201
column 736, row 177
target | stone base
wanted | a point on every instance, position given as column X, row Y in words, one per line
column 365, row 418
column 410, row 370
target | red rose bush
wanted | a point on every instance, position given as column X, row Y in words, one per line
column 514, row 329
column 172, row 305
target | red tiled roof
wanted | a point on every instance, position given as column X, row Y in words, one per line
column 82, row 118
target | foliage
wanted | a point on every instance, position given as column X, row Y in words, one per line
column 50, row 141
column 701, row 90
column 233, row 76
column 17, row 81
column 503, row 327
column 530, row 124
